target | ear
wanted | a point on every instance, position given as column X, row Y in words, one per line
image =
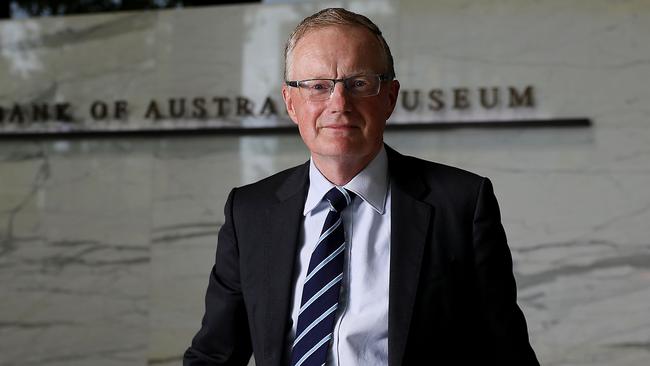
column 393, row 91
column 289, row 103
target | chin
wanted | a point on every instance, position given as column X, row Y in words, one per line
column 346, row 150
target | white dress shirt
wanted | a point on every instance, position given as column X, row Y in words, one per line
column 360, row 334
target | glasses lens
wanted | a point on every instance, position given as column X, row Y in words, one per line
column 316, row 89
column 363, row 86
column 358, row 86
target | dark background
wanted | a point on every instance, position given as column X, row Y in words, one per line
column 33, row 8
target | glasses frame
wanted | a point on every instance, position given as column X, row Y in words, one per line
column 296, row 84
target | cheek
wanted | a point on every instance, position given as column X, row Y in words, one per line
column 307, row 125
column 384, row 105
column 308, row 116
column 375, row 114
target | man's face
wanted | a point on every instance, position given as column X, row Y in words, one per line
column 343, row 127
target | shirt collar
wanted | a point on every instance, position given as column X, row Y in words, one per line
column 371, row 184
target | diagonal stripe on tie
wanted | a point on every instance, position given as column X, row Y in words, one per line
column 333, row 282
column 313, row 349
column 314, row 323
column 327, row 233
column 322, row 286
column 325, row 261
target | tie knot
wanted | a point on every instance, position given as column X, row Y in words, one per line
column 339, row 198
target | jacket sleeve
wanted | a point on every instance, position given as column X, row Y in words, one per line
column 506, row 326
column 224, row 337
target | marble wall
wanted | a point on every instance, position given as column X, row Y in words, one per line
column 106, row 243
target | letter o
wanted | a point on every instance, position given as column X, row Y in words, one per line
column 99, row 110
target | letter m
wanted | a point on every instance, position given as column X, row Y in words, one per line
column 523, row 99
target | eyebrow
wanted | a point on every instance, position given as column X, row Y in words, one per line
column 347, row 75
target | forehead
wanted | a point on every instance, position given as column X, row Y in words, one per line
column 336, row 51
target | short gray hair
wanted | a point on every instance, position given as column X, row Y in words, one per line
column 330, row 17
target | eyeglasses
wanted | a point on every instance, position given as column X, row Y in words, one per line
column 321, row 89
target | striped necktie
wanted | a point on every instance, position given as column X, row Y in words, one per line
column 320, row 294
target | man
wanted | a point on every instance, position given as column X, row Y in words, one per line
column 360, row 256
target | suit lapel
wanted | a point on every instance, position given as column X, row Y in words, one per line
column 411, row 218
column 281, row 246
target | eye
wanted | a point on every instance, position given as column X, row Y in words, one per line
column 319, row 86
column 359, row 83
column 316, row 86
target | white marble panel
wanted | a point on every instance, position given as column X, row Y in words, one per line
column 74, row 263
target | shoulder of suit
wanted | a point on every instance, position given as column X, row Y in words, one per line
column 432, row 171
column 267, row 188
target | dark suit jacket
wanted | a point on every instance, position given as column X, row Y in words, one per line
column 452, row 294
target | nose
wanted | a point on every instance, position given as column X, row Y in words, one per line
column 339, row 99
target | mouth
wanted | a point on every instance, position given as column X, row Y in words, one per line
column 340, row 126
column 340, row 130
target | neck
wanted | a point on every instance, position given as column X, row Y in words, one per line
column 341, row 170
